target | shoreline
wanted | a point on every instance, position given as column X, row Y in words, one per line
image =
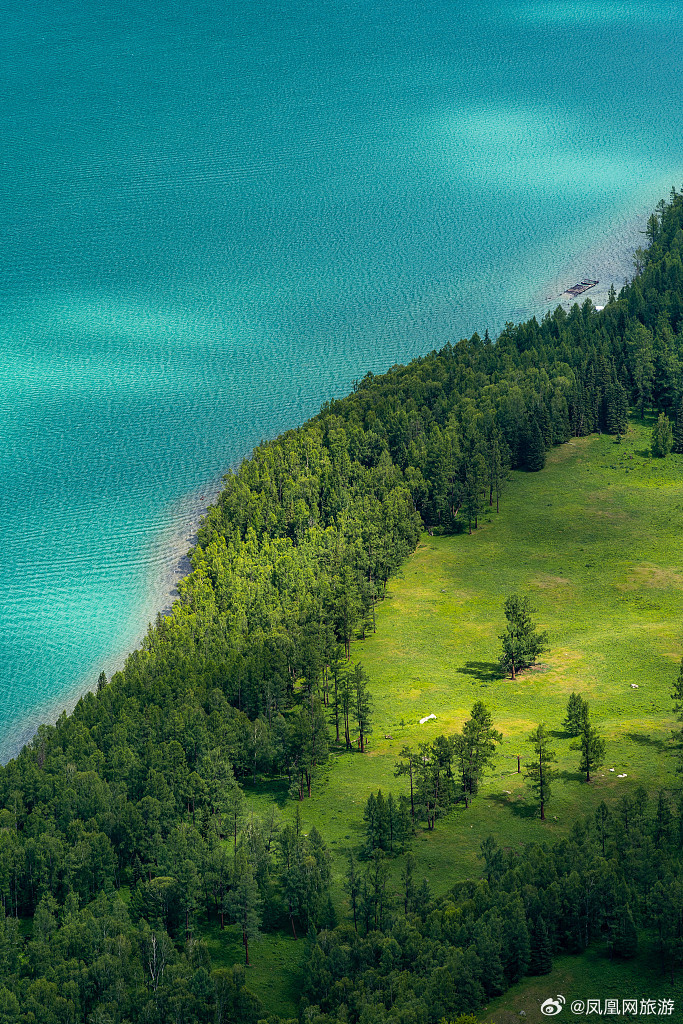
column 169, row 560
column 608, row 260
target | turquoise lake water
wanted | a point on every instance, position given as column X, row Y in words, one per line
column 215, row 216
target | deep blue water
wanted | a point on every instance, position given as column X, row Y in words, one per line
column 215, row 216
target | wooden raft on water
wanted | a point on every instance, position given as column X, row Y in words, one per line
column 579, row 289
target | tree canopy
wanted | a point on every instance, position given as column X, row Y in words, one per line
column 122, row 827
column 522, row 642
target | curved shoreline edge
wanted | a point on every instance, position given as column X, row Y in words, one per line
column 177, row 542
column 162, row 590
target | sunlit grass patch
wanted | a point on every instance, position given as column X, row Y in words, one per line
column 595, row 541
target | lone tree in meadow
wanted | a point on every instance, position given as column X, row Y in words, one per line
column 474, row 748
column 522, row 642
column 577, row 712
column 539, row 770
column 592, row 747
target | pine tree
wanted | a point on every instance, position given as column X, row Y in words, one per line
column 522, row 643
column 487, row 942
column 533, row 447
column 616, row 413
column 427, row 796
column 538, row 770
column 336, row 672
column 662, row 437
column 663, row 822
column 515, row 947
column 577, row 710
column 472, row 502
column 492, row 856
column 407, row 767
column 346, row 695
column 328, row 917
column 678, row 429
column 592, row 747
column 474, row 476
column 362, row 705
column 497, row 461
column 541, row 961
column 397, row 823
column 409, row 888
column 245, row 904
column 677, row 734
column 423, row 900
column 602, row 819
column 382, row 822
column 370, row 819
column 233, row 808
column 474, row 749
column 623, row 938
column 352, row 885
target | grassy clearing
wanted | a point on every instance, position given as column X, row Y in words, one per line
column 595, row 541
column 589, row 976
column 276, row 965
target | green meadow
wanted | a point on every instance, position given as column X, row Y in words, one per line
column 589, row 976
column 595, row 541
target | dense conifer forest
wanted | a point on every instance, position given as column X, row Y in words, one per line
column 123, row 829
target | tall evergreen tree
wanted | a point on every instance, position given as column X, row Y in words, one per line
column 677, row 432
column 362, row 705
column 370, row 822
column 352, row 885
column 245, row 904
column 474, row 749
column 487, row 942
column 541, row 956
column 592, row 747
column 497, row 461
column 522, row 642
column 623, row 936
column 616, row 411
column 409, row 887
column 677, row 734
column 407, row 766
column 539, row 770
column 534, row 447
column 515, row 945
column 662, row 437
column 602, row 822
column 577, row 710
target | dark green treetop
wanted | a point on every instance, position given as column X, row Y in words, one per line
column 522, row 642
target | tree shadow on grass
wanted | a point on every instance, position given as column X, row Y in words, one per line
column 575, row 776
column 277, row 789
column 648, row 741
column 484, row 671
column 519, row 808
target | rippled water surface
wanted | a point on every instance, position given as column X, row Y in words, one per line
column 215, row 216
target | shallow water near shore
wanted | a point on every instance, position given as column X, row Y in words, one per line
column 217, row 217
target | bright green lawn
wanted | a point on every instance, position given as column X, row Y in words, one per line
column 595, row 540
